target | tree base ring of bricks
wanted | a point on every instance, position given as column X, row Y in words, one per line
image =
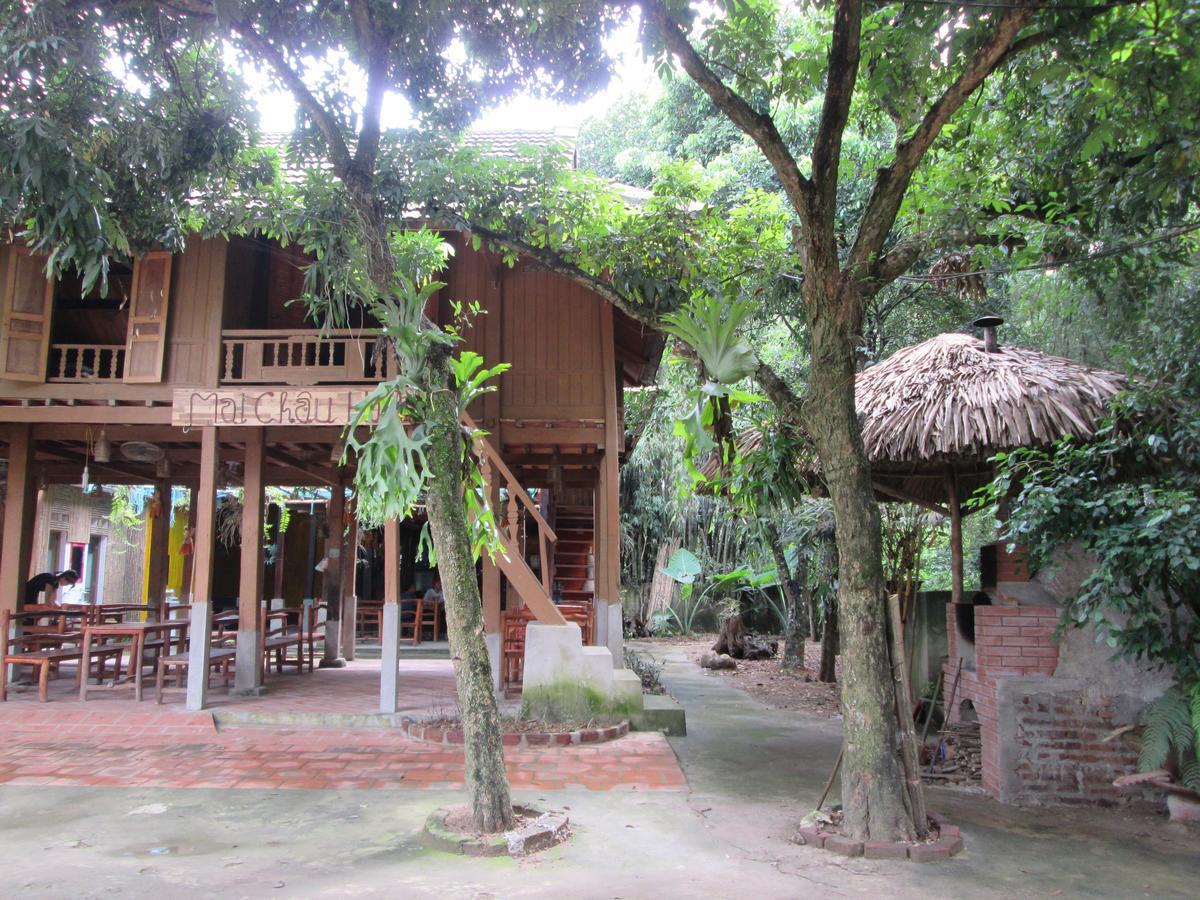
column 949, row 843
column 538, row 831
column 436, row 734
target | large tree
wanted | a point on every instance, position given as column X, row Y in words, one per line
column 926, row 72
column 116, row 120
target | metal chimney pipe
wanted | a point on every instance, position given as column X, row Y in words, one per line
column 989, row 324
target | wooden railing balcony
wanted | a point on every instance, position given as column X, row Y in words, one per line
column 303, row 357
column 75, row 363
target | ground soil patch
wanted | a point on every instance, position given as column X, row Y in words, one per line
column 764, row 680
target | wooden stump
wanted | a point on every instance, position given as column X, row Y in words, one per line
column 739, row 643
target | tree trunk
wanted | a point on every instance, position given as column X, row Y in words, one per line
column 794, row 631
column 873, row 787
column 486, row 779
column 827, row 673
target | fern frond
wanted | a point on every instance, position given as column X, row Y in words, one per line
column 1189, row 774
column 1196, row 719
column 1168, row 724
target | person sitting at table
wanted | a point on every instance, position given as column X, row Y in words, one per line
column 48, row 583
column 434, row 596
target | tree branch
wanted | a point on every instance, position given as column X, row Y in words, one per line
column 339, row 153
column 792, row 407
column 842, row 72
column 892, row 181
column 758, row 127
column 901, row 257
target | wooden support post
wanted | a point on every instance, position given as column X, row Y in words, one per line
column 248, row 672
column 20, row 506
column 956, row 541
column 350, row 590
column 160, row 540
column 189, row 561
column 200, row 631
column 280, row 547
column 16, row 545
column 331, row 580
column 608, row 533
column 389, row 674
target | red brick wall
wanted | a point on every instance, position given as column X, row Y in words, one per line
column 1012, row 566
column 1016, row 640
column 981, row 691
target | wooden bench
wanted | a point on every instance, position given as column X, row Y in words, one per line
column 42, row 661
column 218, row 658
column 278, row 637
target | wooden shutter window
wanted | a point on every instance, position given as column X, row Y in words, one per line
column 28, row 299
column 147, row 341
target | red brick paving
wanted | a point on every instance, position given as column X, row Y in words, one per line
column 116, row 742
column 425, row 684
column 176, row 750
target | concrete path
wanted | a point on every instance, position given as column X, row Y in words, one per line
column 752, row 772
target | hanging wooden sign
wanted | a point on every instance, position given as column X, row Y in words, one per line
column 196, row 407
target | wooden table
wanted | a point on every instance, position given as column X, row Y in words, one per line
column 137, row 632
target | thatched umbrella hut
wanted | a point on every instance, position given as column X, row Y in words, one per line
column 934, row 414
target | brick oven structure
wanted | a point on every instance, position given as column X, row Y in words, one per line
column 1045, row 706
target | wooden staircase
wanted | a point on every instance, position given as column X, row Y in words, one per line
column 524, row 532
column 574, row 565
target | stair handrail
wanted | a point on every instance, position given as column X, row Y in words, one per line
column 484, row 446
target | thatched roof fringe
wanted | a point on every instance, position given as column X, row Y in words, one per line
column 948, row 398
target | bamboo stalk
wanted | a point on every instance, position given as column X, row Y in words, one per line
column 908, row 728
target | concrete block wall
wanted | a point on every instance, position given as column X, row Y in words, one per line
column 1056, row 752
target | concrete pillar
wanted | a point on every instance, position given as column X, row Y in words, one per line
column 202, row 574
column 331, row 581
column 494, row 640
column 389, row 674
column 389, row 671
column 248, row 671
column 491, row 598
column 608, row 613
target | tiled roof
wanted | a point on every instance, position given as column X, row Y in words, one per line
column 503, row 143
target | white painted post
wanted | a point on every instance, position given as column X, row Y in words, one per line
column 200, row 630
column 200, row 633
column 389, row 673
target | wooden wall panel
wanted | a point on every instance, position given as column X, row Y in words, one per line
column 198, row 292
column 474, row 277
column 551, row 333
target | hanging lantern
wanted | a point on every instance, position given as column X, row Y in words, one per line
column 102, row 451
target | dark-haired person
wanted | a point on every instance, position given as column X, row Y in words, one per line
column 48, row 583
